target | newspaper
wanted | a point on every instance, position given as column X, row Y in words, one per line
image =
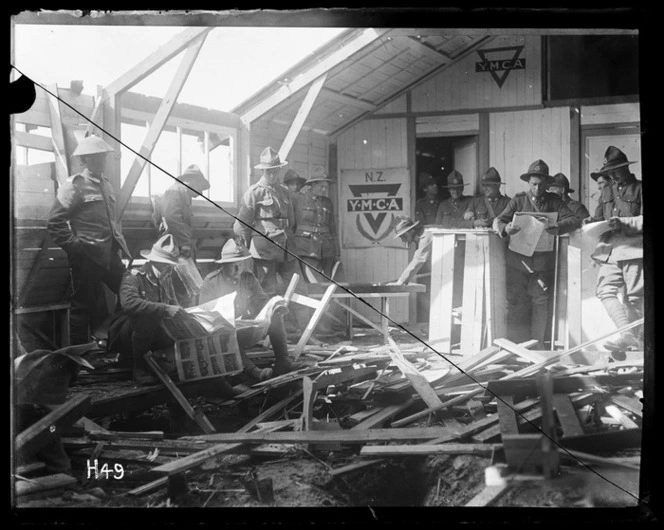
column 533, row 236
column 189, row 275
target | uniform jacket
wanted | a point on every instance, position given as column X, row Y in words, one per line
column 526, row 202
column 315, row 228
column 577, row 208
column 450, row 211
column 485, row 208
column 426, row 210
column 176, row 215
column 420, row 258
column 250, row 297
column 142, row 293
column 622, row 201
column 270, row 210
column 82, row 218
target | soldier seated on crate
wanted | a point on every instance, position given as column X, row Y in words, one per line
column 234, row 275
column 146, row 298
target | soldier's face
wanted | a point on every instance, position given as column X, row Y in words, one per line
column 491, row 190
column 455, row 193
column 231, row 271
column 537, row 186
column 601, row 183
column 619, row 175
column 557, row 190
column 431, row 190
column 292, row 186
column 319, row 189
column 272, row 175
column 95, row 163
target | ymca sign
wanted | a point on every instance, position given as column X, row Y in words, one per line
column 500, row 61
column 371, row 200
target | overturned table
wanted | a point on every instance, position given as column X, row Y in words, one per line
column 363, row 290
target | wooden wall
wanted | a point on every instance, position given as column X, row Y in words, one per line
column 385, row 147
column 461, row 87
column 516, row 139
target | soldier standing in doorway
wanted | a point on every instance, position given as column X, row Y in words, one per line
column 426, row 208
column 450, row 212
column 484, row 208
column 83, row 223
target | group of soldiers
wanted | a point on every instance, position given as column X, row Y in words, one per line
column 83, row 222
column 530, row 278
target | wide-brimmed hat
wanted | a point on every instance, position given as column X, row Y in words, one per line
column 231, row 252
column 319, row 175
column 194, row 173
column 291, row 175
column 560, row 180
column 269, row 159
column 613, row 159
column 426, row 180
column 455, row 180
column 163, row 251
column 92, row 145
column 404, row 224
column 538, row 168
column 491, row 176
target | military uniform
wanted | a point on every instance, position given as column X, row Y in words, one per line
column 177, row 216
column 421, row 259
column 530, row 278
column 450, row 212
column 83, row 222
column 483, row 207
column 620, row 253
column 426, row 210
column 143, row 299
column 316, row 238
column 577, row 208
column 269, row 209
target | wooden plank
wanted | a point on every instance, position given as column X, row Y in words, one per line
column 630, row 404
column 440, row 324
column 301, row 116
column 33, row 468
column 550, row 459
column 488, row 496
column 32, row 141
column 479, row 324
column 429, row 449
column 194, row 460
column 313, row 322
column 517, row 350
column 471, row 263
column 308, row 398
column 40, row 433
column 507, row 415
column 385, row 414
column 58, row 138
column 198, row 417
column 43, row 484
column 346, row 436
column 619, row 415
column 259, row 108
column 586, row 458
column 567, row 417
column 523, row 449
column 270, row 412
column 158, row 123
column 347, row 100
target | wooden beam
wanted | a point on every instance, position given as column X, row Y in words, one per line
column 58, row 137
column 49, row 483
column 162, row 55
column 266, row 414
column 519, row 351
column 313, row 322
column 284, row 92
column 488, row 496
column 429, row 449
column 32, row 141
column 40, row 433
column 158, row 124
column 422, row 49
column 348, row 100
column 34, row 271
column 301, row 116
column 194, row 460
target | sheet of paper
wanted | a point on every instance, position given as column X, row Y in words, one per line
column 590, row 235
column 225, row 305
column 533, row 236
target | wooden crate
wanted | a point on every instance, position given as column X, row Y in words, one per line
column 207, row 356
column 482, row 284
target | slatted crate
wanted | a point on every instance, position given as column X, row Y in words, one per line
column 207, row 356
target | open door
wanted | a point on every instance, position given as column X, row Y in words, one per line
column 465, row 162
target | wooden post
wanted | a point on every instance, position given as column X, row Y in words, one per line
column 550, row 457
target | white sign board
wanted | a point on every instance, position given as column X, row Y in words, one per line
column 370, row 202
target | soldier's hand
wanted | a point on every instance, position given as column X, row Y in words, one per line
column 480, row 223
column 173, row 310
column 185, row 251
column 587, row 220
column 511, row 229
column 552, row 228
column 615, row 224
column 468, row 216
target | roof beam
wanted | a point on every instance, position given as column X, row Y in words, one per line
column 162, row 55
column 498, row 32
column 347, row 100
column 33, row 141
column 304, row 128
column 157, row 125
column 365, row 38
column 420, row 48
column 301, row 116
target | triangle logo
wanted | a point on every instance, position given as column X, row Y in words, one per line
column 500, row 61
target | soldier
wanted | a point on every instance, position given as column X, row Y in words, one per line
column 316, row 240
column 620, row 251
column 176, row 215
column 233, row 276
column 147, row 297
column 530, row 278
column 484, row 208
column 293, row 181
column 560, row 186
column 426, row 208
column 450, row 212
column 83, row 222
column 603, row 181
column 267, row 207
